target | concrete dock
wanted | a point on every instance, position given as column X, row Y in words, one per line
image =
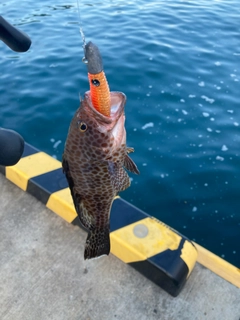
column 43, row 275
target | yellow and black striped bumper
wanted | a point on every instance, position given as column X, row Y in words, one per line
column 157, row 251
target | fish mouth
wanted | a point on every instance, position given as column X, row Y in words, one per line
column 118, row 100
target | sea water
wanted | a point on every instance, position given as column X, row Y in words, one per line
column 178, row 63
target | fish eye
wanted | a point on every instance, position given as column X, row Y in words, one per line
column 82, row 126
column 95, row 82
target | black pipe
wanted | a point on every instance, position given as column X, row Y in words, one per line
column 15, row 39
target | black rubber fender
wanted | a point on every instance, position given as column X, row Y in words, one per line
column 11, row 147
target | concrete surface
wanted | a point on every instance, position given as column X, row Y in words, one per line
column 43, row 275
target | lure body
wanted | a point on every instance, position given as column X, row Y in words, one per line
column 99, row 89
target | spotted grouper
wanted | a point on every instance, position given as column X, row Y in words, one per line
column 96, row 157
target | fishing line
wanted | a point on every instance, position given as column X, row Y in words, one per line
column 81, row 31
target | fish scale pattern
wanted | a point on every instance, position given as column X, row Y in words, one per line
column 93, row 161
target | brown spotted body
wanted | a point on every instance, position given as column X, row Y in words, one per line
column 94, row 161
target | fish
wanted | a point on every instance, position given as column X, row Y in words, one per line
column 96, row 157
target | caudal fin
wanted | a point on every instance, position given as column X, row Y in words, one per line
column 97, row 244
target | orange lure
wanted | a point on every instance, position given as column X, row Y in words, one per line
column 99, row 89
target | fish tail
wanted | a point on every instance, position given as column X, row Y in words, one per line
column 97, row 244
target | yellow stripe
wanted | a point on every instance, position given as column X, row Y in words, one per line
column 61, row 203
column 189, row 255
column 123, row 250
column 143, row 239
column 31, row 166
column 218, row 265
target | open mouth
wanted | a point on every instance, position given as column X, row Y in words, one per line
column 118, row 100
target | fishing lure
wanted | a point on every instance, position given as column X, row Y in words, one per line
column 99, row 89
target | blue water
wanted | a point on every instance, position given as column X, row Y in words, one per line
column 178, row 64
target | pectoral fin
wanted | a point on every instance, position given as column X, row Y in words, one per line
column 129, row 164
